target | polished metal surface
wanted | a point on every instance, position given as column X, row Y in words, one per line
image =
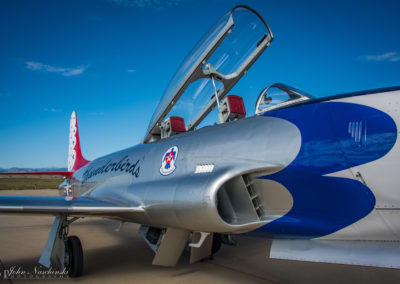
column 186, row 199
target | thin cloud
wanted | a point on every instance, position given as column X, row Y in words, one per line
column 67, row 72
column 97, row 113
column 52, row 109
column 384, row 57
column 131, row 70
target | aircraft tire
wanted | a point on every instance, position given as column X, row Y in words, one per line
column 75, row 256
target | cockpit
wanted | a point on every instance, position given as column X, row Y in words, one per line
column 197, row 94
column 278, row 96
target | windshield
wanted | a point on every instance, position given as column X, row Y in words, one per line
column 279, row 95
column 230, row 47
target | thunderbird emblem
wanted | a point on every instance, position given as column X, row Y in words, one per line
column 168, row 161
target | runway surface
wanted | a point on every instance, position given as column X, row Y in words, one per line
column 123, row 257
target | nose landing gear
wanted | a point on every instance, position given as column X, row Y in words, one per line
column 62, row 252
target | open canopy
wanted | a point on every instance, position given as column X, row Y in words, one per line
column 224, row 53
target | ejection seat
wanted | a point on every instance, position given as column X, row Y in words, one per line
column 171, row 126
column 232, row 108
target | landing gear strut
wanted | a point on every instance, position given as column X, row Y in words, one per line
column 63, row 252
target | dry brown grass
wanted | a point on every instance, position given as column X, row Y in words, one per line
column 20, row 183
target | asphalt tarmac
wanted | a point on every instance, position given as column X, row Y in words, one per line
column 123, row 257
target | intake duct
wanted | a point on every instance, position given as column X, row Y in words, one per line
column 247, row 199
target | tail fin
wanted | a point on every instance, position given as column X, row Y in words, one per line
column 75, row 158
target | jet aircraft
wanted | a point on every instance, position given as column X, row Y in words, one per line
column 317, row 175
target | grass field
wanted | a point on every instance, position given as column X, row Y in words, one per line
column 19, row 183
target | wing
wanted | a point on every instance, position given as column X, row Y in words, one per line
column 55, row 205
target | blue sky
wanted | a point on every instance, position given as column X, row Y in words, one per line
column 112, row 60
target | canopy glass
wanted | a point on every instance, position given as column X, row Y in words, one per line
column 225, row 53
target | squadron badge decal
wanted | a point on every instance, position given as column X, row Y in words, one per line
column 168, row 161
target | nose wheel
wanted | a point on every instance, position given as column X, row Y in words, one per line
column 63, row 252
column 74, row 256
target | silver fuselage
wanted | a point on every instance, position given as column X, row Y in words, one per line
column 184, row 198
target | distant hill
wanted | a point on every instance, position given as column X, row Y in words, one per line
column 32, row 170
